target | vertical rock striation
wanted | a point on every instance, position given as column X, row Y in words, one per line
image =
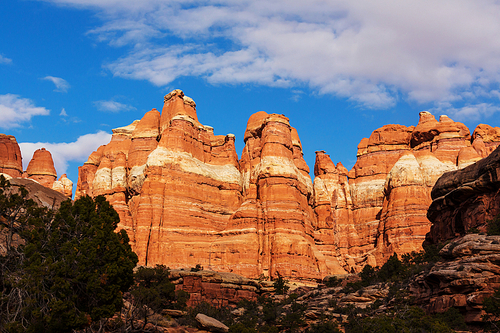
column 272, row 230
column 390, row 187
column 185, row 198
column 40, row 168
column 11, row 162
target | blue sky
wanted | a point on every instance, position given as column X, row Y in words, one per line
column 71, row 70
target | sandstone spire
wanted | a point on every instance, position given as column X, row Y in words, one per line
column 10, row 156
column 41, row 168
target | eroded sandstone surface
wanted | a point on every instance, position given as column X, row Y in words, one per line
column 468, row 273
column 40, row 168
column 185, row 198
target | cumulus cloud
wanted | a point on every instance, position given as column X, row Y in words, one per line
column 473, row 112
column 15, row 110
column 112, row 106
column 61, row 84
column 5, row 60
column 370, row 52
column 62, row 153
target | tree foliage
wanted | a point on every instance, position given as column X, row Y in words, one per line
column 71, row 270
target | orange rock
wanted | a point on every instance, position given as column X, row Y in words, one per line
column 185, row 198
column 10, row 156
column 403, row 222
column 489, row 136
column 172, row 181
column 63, row 185
column 41, row 168
column 389, row 188
column 272, row 229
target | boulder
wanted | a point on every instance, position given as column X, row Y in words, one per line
column 211, row 324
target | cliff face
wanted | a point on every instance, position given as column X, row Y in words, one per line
column 185, row 198
column 40, row 169
column 174, row 183
column 465, row 199
column 382, row 208
column 271, row 230
column 11, row 161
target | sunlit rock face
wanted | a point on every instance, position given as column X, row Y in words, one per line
column 173, row 182
column 272, row 229
column 11, row 162
column 390, row 187
column 40, row 168
column 185, row 198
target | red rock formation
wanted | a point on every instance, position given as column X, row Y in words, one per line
column 10, row 156
column 465, row 199
column 64, row 186
column 185, row 199
column 489, row 139
column 218, row 289
column 272, row 229
column 390, row 188
column 41, row 168
column 173, row 182
column 467, row 274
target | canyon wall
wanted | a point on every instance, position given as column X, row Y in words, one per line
column 185, row 198
column 382, row 208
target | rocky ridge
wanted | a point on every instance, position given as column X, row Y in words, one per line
column 185, row 198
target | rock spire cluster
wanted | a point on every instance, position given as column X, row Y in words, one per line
column 186, row 199
column 40, row 168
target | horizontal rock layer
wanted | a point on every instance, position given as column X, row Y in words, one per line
column 40, row 168
column 185, row 198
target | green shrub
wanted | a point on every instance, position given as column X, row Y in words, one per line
column 280, row 285
column 72, row 270
column 493, row 227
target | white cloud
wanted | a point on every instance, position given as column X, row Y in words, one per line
column 63, row 113
column 61, row 84
column 112, row 106
column 473, row 112
column 368, row 51
column 15, row 110
column 62, row 153
column 5, row 60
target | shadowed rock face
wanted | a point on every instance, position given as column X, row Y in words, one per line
column 467, row 274
column 185, row 198
column 465, row 199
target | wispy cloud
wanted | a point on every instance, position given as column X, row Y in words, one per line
column 5, row 60
column 371, row 52
column 15, row 110
column 112, row 106
column 62, row 153
column 63, row 113
column 61, row 84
